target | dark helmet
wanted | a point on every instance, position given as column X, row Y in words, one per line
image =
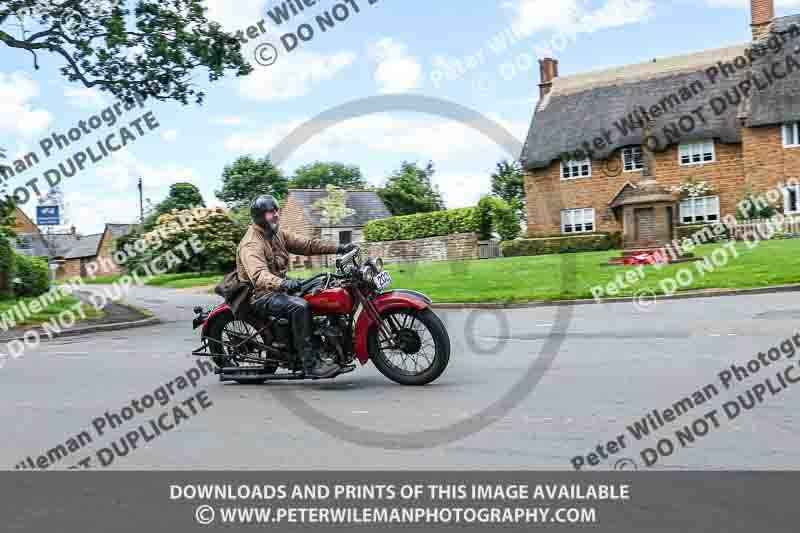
column 261, row 205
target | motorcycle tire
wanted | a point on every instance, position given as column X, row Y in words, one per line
column 441, row 341
column 215, row 333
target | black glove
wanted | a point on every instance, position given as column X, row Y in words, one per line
column 345, row 248
column 291, row 285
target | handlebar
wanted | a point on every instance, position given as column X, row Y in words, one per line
column 340, row 261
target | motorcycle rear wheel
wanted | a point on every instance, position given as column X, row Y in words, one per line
column 226, row 329
column 416, row 333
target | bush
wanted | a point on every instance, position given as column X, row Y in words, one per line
column 497, row 215
column 687, row 232
column 30, row 276
column 559, row 245
column 419, row 226
column 214, row 229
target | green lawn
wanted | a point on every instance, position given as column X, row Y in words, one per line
column 569, row 276
column 185, row 280
column 50, row 311
column 572, row 276
column 103, row 280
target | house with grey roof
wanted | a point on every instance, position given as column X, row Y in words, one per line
column 72, row 252
column 299, row 216
column 616, row 150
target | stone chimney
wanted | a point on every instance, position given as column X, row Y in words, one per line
column 548, row 71
column 763, row 12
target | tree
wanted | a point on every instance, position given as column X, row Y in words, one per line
column 181, row 196
column 247, row 178
column 409, row 190
column 333, row 208
column 320, row 174
column 508, row 183
column 154, row 52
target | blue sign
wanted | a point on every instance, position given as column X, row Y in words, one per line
column 47, row 215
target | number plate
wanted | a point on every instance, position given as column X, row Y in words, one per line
column 383, row 280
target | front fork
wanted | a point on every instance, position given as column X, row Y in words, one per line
column 385, row 333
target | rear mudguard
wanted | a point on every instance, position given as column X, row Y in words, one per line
column 220, row 310
column 399, row 299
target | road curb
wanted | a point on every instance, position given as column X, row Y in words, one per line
column 705, row 293
column 89, row 329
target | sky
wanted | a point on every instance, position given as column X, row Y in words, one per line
column 479, row 54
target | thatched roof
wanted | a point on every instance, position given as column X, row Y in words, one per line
column 582, row 107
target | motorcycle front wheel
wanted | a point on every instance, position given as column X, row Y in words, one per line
column 419, row 350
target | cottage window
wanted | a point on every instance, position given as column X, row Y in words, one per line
column 705, row 209
column 576, row 169
column 697, row 153
column 577, row 220
column 632, row 159
column 791, row 134
column 791, row 200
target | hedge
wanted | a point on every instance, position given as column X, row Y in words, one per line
column 688, row 231
column 594, row 242
column 421, row 225
column 30, row 276
column 491, row 214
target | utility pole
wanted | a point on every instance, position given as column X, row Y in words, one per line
column 141, row 203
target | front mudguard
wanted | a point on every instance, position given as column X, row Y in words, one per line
column 222, row 309
column 397, row 299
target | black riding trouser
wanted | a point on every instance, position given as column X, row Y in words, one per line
column 296, row 310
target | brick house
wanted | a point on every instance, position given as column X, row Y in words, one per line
column 299, row 217
column 726, row 116
column 71, row 250
column 75, row 251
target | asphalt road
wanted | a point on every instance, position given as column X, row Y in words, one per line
column 610, row 366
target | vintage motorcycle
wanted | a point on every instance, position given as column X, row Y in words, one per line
column 355, row 319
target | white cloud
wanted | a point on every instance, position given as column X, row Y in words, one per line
column 230, row 120
column 236, row 15
column 169, row 135
column 426, row 138
column 84, row 98
column 573, row 16
column 397, row 70
column 17, row 116
column 293, row 75
column 123, row 171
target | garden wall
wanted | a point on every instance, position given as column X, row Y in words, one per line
column 459, row 246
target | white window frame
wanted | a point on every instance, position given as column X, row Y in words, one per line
column 787, row 208
column 697, row 153
column 574, row 169
column 629, row 155
column 790, row 132
column 708, row 207
column 582, row 217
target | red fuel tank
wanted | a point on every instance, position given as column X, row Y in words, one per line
column 331, row 302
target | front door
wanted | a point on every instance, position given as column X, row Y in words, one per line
column 645, row 224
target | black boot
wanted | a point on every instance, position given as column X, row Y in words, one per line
column 315, row 367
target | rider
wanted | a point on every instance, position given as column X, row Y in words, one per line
column 263, row 259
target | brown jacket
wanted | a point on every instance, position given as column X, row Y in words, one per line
column 264, row 262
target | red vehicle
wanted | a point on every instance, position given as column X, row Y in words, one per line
column 355, row 319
